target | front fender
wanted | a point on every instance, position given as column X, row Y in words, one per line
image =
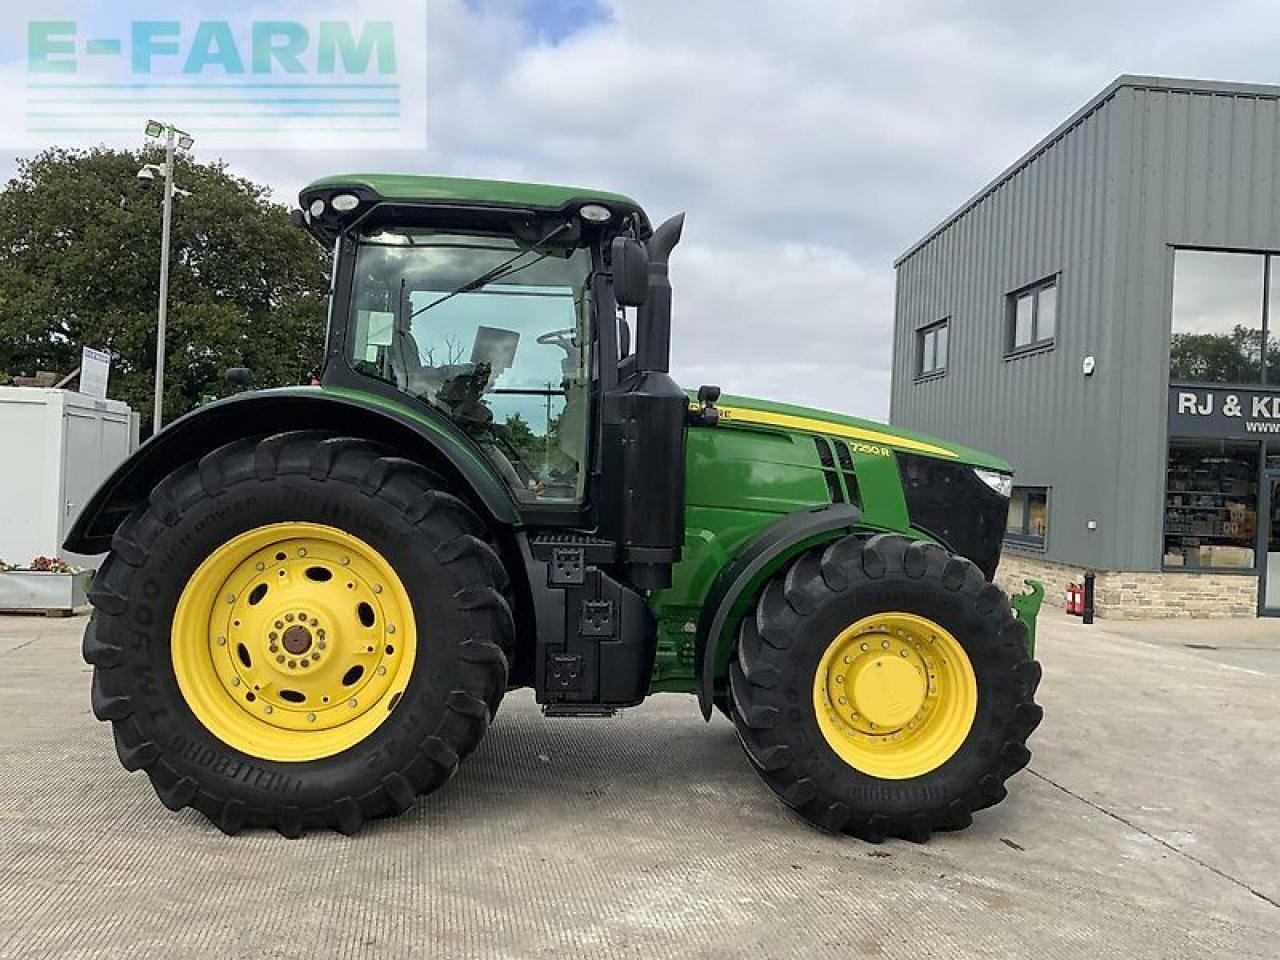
column 741, row 576
column 435, row 441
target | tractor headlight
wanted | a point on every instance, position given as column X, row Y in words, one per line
column 1001, row 483
column 345, row 202
column 317, row 209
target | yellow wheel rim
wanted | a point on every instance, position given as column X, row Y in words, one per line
column 293, row 641
column 895, row 695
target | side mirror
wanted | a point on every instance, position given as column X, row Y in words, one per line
column 630, row 272
column 241, row 378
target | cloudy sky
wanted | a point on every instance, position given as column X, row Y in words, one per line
column 810, row 141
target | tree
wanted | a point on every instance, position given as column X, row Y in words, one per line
column 1217, row 357
column 79, row 266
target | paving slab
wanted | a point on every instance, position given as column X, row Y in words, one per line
column 1145, row 827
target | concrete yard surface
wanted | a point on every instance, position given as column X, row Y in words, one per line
column 1146, row 827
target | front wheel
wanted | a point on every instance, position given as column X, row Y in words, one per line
column 884, row 688
column 298, row 632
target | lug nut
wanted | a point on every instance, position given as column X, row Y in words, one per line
column 280, row 659
column 302, row 551
column 345, row 561
column 222, row 641
column 352, row 703
column 268, row 709
column 279, row 625
column 377, row 588
column 311, row 718
column 391, row 628
column 288, row 617
column 235, row 681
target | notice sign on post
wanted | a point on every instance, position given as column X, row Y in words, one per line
column 95, row 369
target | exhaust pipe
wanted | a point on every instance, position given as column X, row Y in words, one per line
column 653, row 349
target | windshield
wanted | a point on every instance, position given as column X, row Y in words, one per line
column 492, row 332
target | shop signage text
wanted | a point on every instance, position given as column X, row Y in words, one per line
column 1225, row 412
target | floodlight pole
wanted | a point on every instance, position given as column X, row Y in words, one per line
column 170, row 140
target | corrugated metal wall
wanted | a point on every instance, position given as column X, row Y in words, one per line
column 1057, row 214
column 1149, row 164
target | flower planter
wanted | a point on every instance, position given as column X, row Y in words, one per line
column 33, row 591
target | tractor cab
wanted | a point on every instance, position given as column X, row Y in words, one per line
column 499, row 311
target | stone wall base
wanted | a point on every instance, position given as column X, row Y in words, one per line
column 1121, row 595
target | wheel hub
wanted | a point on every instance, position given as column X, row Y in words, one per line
column 888, row 690
column 297, row 640
column 308, row 641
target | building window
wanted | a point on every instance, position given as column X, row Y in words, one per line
column 1218, row 304
column 931, row 349
column 1033, row 316
column 1028, row 523
column 1211, row 504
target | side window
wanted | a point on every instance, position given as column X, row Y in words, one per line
column 1028, row 523
column 493, row 334
column 1032, row 317
column 931, row 349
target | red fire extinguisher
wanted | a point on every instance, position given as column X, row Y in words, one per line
column 1075, row 599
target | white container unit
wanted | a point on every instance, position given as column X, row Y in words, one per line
column 56, row 447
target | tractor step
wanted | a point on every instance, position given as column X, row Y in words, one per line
column 578, row 710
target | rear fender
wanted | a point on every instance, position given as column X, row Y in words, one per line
column 434, row 442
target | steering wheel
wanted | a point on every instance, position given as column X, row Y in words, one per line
column 564, row 339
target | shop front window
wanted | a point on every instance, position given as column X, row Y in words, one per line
column 1211, row 505
column 1217, row 317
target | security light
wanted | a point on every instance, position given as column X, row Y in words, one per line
column 155, row 128
column 186, row 141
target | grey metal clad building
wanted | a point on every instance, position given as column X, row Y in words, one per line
column 1099, row 315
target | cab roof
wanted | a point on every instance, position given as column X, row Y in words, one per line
column 464, row 191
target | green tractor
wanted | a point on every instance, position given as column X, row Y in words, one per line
column 316, row 597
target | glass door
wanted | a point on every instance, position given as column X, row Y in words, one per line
column 1271, row 533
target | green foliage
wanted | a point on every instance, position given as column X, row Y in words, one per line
column 79, row 266
column 1216, row 357
column 527, row 444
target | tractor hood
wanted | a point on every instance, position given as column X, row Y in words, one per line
column 748, row 411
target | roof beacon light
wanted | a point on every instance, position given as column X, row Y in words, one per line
column 595, row 213
column 317, row 208
column 345, row 202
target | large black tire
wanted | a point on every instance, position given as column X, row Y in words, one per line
column 435, row 544
column 780, row 647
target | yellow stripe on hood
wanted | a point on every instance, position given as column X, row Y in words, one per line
column 810, row 425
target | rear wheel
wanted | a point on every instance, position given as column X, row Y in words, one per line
column 299, row 632
column 884, row 688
